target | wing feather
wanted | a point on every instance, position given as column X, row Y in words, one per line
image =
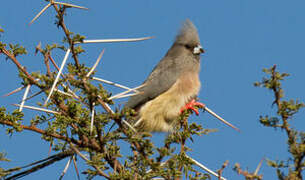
column 163, row 76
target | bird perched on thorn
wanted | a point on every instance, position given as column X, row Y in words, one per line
column 172, row 86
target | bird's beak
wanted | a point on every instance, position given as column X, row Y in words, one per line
column 198, row 50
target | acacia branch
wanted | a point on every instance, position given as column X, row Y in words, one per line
column 74, row 55
column 19, row 66
column 100, row 172
column 40, row 131
column 67, row 33
column 292, row 139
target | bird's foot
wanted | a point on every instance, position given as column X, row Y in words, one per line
column 191, row 105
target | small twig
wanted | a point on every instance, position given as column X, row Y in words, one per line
column 19, row 66
column 36, row 94
column 78, row 152
column 67, row 34
column 57, row 77
column 24, row 96
column 225, row 164
column 86, row 159
column 184, row 125
column 50, row 148
column 38, row 109
column 38, row 48
column 221, row 119
column 53, row 62
column 205, row 168
column 70, row 5
column 109, row 110
column 43, row 132
column 96, row 63
column 47, row 63
column 44, row 9
column 114, row 40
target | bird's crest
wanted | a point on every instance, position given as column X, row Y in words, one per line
column 188, row 34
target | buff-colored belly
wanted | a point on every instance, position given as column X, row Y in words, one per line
column 160, row 113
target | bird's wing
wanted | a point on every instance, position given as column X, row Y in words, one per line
column 163, row 76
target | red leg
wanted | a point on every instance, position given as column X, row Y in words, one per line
column 191, row 105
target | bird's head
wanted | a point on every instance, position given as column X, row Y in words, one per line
column 188, row 37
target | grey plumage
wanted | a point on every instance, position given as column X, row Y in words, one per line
column 175, row 78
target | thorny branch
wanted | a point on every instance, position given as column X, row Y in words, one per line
column 43, row 132
column 286, row 110
column 60, row 16
column 19, row 66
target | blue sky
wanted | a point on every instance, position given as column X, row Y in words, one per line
column 240, row 38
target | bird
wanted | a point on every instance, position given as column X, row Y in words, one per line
column 172, row 86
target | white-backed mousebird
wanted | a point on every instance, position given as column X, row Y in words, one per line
column 172, row 86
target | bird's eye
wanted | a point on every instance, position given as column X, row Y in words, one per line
column 188, row 47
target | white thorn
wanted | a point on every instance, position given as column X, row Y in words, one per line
column 24, row 97
column 96, row 63
column 70, row 91
column 78, row 152
column 92, row 119
column 108, row 106
column 66, row 167
column 114, row 40
column 62, row 92
column 125, row 92
column 205, row 168
column 221, row 119
column 123, row 96
column 129, row 125
column 58, row 75
column 38, row 109
column 138, row 122
column 45, row 8
column 70, row 5
column 258, row 167
column 112, row 83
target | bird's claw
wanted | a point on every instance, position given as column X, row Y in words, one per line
column 191, row 105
